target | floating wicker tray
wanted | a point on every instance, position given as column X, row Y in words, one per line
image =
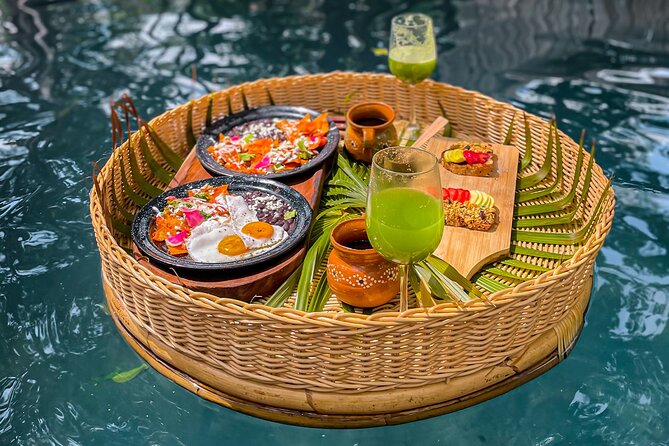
column 335, row 368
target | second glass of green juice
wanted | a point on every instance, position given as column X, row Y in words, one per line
column 405, row 217
column 412, row 57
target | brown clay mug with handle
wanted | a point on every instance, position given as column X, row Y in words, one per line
column 369, row 128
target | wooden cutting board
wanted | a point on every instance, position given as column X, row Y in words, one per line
column 467, row 250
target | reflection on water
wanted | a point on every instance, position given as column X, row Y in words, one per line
column 602, row 65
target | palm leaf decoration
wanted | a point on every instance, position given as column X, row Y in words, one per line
column 559, row 203
column 210, row 110
column 270, row 99
column 143, row 173
column 448, row 128
column 509, row 132
column 526, row 160
column 190, row 135
column 538, row 176
column 533, row 194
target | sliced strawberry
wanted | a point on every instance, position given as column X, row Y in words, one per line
column 452, row 193
column 444, row 193
column 458, row 195
column 470, row 156
column 475, row 157
column 467, row 195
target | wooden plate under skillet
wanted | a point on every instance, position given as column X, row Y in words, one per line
column 259, row 282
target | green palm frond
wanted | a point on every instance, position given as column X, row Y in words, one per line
column 415, row 279
column 538, row 253
column 454, row 275
column 537, row 177
column 210, row 110
column 526, row 160
column 164, row 175
column 448, row 128
column 509, row 131
column 538, row 192
column 190, row 134
column 312, row 260
column 563, row 238
column 524, row 265
column 488, row 284
column 561, row 218
column 170, row 156
column 321, row 295
column 136, row 174
column 279, row 297
column 270, row 99
column 245, row 102
column 560, row 203
column 228, row 101
column 436, row 285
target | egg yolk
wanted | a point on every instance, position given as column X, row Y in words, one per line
column 232, row 245
column 258, row 229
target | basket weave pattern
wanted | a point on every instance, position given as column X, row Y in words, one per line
column 336, row 351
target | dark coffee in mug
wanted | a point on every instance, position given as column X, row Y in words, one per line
column 369, row 121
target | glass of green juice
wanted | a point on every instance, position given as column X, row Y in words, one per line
column 412, row 57
column 405, row 217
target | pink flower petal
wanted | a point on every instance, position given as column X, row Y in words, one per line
column 193, row 217
column 263, row 163
column 176, row 239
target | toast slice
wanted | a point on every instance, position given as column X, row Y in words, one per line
column 469, row 158
column 469, row 216
column 469, row 209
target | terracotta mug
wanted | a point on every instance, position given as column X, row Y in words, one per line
column 369, row 128
column 357, row 274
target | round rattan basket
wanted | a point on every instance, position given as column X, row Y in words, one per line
column 334, row 368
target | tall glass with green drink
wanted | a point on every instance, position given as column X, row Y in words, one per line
column 405, row 217
column 412, row 56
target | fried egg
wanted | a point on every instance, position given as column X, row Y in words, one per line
column 240, row 212
column 203, row 243
column 258, row 234
column 237, row 236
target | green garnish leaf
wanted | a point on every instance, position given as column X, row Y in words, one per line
column 305, row 154
column 248, row 138
column 289, row 214
column 203, row 195
column 122, row 377
column 246, row 156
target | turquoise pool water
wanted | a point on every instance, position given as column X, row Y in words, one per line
column 600, row 65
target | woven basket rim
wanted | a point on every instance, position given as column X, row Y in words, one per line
column 382, row 318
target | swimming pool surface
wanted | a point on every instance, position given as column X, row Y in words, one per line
column 602, row 65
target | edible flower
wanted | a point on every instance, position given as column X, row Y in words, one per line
column 193, row 217
column 265, row 162
column 177, row 239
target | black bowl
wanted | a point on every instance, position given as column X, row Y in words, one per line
column 145, row 217
column 210, row 137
